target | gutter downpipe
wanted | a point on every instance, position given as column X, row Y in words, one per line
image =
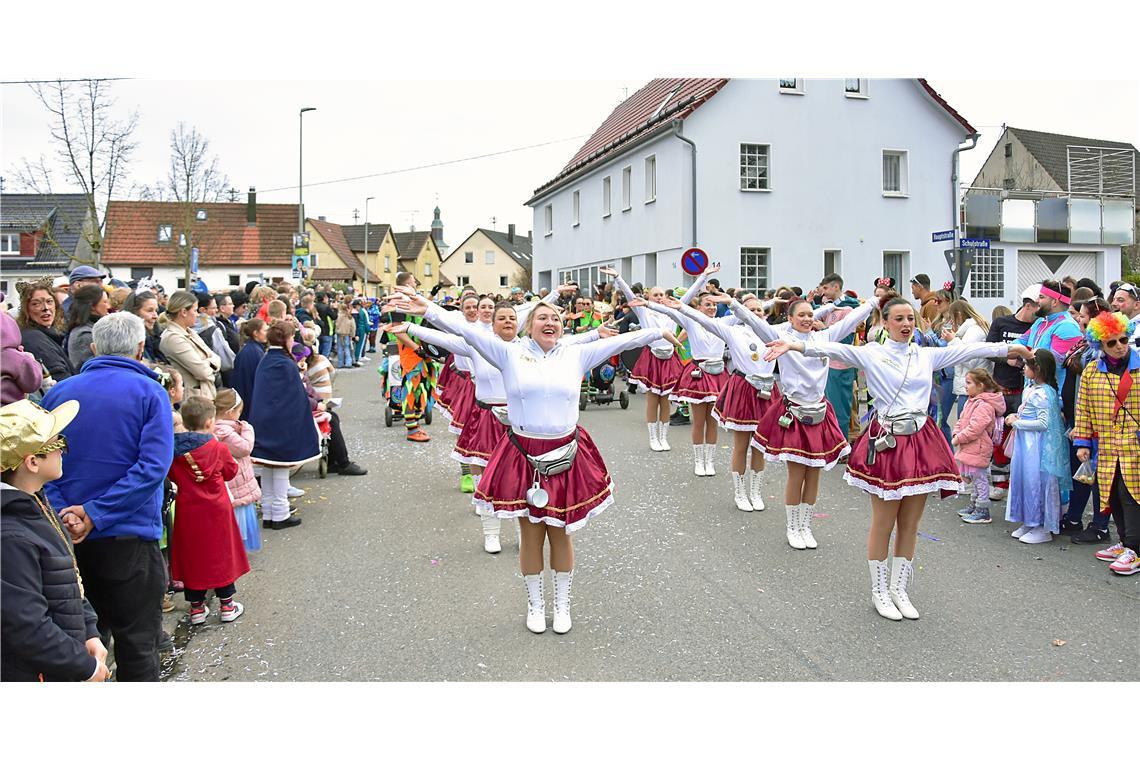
column 677, row 125
column 955, row 201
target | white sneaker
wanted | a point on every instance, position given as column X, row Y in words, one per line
column 740, row 492
column 710, row 448
column 699, row 460
column 562, row 583
column 795, row 538
column 654, row 444
column 806, row 512
column 1038, row 535
column 901, row 572
column 754, row 496
column 535, row 604
column 997, row 494
column 1020, row 531
column 662, row 430
column 295, row 492
column 880, row 592
column 491, row 527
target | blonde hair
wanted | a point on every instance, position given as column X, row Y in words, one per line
column 529, row 322
column 119, row 297
column 960, row 311
column 261, row 294
column 275, row 310
column 226, row 400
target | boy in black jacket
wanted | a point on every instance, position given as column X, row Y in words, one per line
column 47, row 628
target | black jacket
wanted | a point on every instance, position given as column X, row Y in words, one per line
column 47, row 346
column 44, row 621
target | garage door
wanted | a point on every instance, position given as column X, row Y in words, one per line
column 1036, row 266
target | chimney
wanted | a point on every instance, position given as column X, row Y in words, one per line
column 510, row 233
column 251, row 208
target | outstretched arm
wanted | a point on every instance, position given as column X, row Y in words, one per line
column 762, row 329
column 593, row 354
column 452, row 343
column 699, row 285
column 840, row 351
column 956, row 353
column 848, row 324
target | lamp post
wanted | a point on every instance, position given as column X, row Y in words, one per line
column 369, row 198
column 301, row 171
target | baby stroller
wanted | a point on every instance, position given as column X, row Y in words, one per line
column 598, row 386
column 392, row 380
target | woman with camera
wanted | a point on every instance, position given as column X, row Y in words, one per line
column 900, row 459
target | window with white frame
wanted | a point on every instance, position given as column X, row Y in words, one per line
column 387, row 263
column 896, row 265
column 502, row 281
column 468, row 257
column 488, row 257
column 427, row 269
column 754, row 166
column 463, row 281
column 548, row 219
column 855, row 88
column 831, row 262
column 165, row 233
column 895, row 180
column 577, row 207
column 10, row 244
column 791, row 86
column 606, row 196
column 987, row 277
column 753, row 269
column 650, row 179
column 626, row 181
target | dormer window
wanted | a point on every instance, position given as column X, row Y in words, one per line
column 165, row 233
column 200, row 215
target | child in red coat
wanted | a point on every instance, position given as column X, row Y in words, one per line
column 206, row 549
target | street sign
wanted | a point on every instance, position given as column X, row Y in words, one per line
column 973, row 243
column 938, row 237
column 694, row 261
column 193, row 261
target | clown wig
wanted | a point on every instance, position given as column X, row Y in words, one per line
column 1106, row 324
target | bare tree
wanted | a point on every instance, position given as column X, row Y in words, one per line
column 93, row 150
column 193, row 175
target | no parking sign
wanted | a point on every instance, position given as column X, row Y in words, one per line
column 694, row 261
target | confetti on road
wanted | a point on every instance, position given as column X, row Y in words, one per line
column 822, row 515
column 1059, row 642
column 928, row 537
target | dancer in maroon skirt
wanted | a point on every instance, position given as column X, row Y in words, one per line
column 657, row 369
column 802, row 432
column 901, row 458
column 547, row 468
column 455, row 391
column 747, row 395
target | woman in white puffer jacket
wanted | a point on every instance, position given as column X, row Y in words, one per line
column 969, row 327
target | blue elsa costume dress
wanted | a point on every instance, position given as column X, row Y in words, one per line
column 1039, row 468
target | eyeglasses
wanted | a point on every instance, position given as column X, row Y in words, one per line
column 1114, row 342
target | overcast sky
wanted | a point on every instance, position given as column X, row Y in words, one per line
column 363, row 128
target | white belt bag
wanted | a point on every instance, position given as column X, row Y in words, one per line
column 554, row 462
column 763, row 385
column 903, row 423
column 662, row 353
column 808, row 414
column 713, row 366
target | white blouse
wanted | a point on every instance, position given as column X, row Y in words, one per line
column 803, row 378
column 649, row 320
column 542, row 387
column 742, row 344
column 903, row 368
column 488, row 379
column 703, row 344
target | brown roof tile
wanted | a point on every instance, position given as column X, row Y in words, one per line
column 332, row 274
column 337, row 240
column 409, row 244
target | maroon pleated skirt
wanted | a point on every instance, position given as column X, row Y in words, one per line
column 700, row 390
column 656, row 375
column 481, row 434
column 462, row 402
column 740, row 408
column 445, row 396
column 577, row 495
column 919, row 463
column 445, row 374
column 819, row 445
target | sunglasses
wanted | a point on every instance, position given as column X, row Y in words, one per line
column 1114, row 342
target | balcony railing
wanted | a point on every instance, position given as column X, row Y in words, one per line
column 1020, row 216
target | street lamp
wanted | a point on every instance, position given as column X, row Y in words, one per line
column 301, row 171
column 369, row 198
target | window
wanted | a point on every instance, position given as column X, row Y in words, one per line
column 468, row 257
column 182, row 239
column 10, row 244
column 489, row 257
column 577, row 206
column 387, row 263
column 1009, row 150
column 137, row 273
column 165, row 234
column 427, row 269
column 626, row 180
column 235, row 279
column 753, row 269
column 651, row 179
column 754, row 166
column 831, row 262
column 791, row 86
column 502, row 281
column 181, row 283
column 606, row 197
column 200, row 215
column 895, row 264
column 987, row 278
column 548, row 219
column 463, row 281
column 895, row 173
column 855, row 88
column 1007, row 183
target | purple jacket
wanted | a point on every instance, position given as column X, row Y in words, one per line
column 20, row 373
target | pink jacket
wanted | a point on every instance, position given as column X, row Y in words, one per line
column 238, row 438
column 973, row 432
column 21, row 373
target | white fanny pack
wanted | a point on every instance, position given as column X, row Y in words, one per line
column 808, row 414
column 662, row 353
column 903, row 423
column 763, row 385
column 713, row 366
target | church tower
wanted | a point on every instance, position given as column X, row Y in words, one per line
column 437, row 234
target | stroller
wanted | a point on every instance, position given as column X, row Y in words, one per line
column 392, row 381
column 598, row 386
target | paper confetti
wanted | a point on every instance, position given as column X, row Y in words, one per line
column 1058, row 642
column 928, row 537
column 822, row 515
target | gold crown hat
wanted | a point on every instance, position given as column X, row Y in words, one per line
column 26, row 428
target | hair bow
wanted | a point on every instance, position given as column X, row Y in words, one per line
column 948, row 285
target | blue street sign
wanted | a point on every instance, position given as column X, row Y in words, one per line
column 193, row 260
column 938, row 237
column 973, row 243
column 694, row 261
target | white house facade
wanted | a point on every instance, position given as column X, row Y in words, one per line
column 794, row 179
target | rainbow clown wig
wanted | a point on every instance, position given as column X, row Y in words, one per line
column 1106, row 324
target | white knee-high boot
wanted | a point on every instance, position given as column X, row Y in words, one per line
column 654, row 443
column 754, row 484
column 710, row 470
column 806, row 512
column 880, row 592
column 535, row 604
column 795, row 538
column 699, row 460
column 901, row 572
column 662, row 438
column 562, row 583
column 740, row 492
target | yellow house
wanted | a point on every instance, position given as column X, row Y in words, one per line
column 382, row 255
column 333, row 259
column 491, row 261
column 420, row 256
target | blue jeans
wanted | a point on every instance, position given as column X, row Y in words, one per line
column 946, row 402
column 325, row 346
column 344, row 351
column 1079, row 497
